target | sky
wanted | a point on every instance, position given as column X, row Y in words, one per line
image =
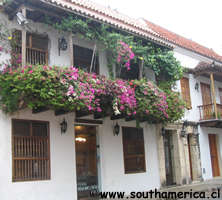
column 199, row 20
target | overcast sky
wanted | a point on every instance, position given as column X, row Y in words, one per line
column 199, row 20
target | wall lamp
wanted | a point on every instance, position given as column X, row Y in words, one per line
column 196, row 87
column 62, row 44
column 163, row 131
column 116, row 129
column 21, row 19
column 63, row 126
column 183, row 130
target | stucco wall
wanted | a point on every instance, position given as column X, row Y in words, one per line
column 112, row 161
column 190, row 60
column 63, row 169
column 63, row 179
column 54, row 35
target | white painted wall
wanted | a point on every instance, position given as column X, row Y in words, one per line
column 63, row 171
column 112, row 162
column 190, row 60
column 54, row 35
column 63, row 178
column 62, row 147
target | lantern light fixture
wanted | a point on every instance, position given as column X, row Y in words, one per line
column 63, row 126
column 163, row 131
column 116, row 129
column 183, row 130
column 62, row 44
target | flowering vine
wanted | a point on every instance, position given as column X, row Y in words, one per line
column 72, row 89
column 125, row 54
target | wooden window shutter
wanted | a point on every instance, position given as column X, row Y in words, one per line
column 133, row 150
column 30, row 150
column 185, row 89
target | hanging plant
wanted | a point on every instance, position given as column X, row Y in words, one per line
column 72, row 89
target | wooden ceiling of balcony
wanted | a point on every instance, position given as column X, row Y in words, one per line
column 214, row 123
column 205, row 69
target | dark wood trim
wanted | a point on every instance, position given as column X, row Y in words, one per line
column 61, row 112
column 114, row 117
column 136, row 155
column 44, row 163
column 82, row 113
column 39, row 110
column 88, row 121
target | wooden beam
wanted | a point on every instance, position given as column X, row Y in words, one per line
column 71, row 50
column 141, row 69
column 114, row 117
column 82, row 113
column 88, row 121
column 23, row 40
column 60, row 112
column 39, row 110
column 213, row 94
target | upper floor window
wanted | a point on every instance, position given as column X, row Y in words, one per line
column 131, row 74
column 133, row 149
column 83, row 59
column 30, row 150
column 36, row 48
column 220, row 94
column 185, row 89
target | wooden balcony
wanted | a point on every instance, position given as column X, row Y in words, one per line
column 211, row 115
column 34, row 56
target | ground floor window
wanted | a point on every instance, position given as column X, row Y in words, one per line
column 30, row 150
column 133, row 149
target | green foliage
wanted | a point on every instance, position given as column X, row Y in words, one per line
column 72, row 89
column 159, row 59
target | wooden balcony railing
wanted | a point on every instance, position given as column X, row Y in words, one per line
column 34, row 56
column 207, row 112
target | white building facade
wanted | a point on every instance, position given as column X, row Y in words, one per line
column 62, row 170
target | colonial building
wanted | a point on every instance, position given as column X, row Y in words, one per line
column 46, row 154
column 64, row 154
column 201, row 89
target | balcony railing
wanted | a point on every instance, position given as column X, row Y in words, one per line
column 34, row 56
column 207, row 112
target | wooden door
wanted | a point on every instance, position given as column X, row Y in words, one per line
column 169, row 156
column 214, row 155
column 190, row 156
column 207, row 101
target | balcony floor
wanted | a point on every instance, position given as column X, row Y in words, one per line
column 213, row 123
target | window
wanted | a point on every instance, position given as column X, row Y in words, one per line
column 220, row 94
column 83, row 58
column 131, row 74
column 36, row 47
column 30, row 150
column 185, row 89
column 133, row 149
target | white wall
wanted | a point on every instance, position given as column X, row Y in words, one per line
column 112, row 162
column 54, row 35
column 190, row 60
column 205, row 149
column 63, row 169
column 63, row 178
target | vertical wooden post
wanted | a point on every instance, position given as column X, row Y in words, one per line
column 71, row 50
column 23, row 40
column 141, row 69
column 213, row 94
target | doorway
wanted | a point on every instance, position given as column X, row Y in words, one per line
column 87, row 157
column 214, row 154
column 169, row 158
column 189, row 143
